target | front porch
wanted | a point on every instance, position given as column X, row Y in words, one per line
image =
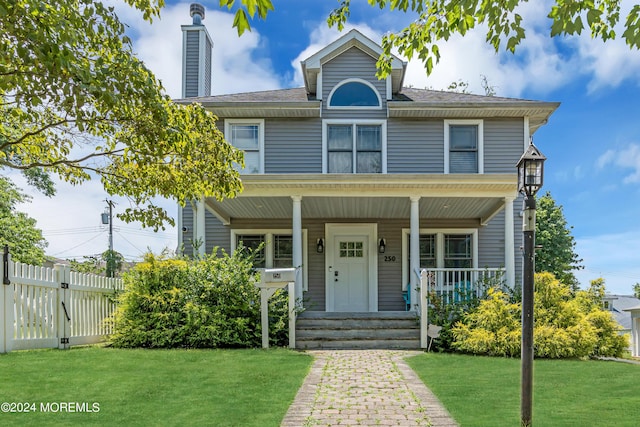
column 394, row 329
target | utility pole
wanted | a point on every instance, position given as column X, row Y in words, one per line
column 110, row 258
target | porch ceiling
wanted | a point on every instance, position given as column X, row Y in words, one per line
column 475, row 197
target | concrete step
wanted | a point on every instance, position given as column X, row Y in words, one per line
column 381, row 330
column 358, row 334
column 357, row 323
column 358, row 344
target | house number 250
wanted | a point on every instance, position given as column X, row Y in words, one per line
column 388, row 258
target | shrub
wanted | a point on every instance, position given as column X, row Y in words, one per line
column 447, row 312
column 566, row 325
column 205, row 303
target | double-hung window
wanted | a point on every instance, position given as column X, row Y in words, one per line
column 451, row 249
column 355, row 147
column 272, row 248
column 463, row 146
column 247, row 135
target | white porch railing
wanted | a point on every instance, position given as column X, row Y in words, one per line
column 53, row 307
column 452, row 286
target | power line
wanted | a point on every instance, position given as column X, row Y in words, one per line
column 86, row 241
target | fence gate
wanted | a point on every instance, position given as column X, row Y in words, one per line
column 53, row 307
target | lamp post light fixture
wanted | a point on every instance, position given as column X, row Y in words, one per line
column 530, row 178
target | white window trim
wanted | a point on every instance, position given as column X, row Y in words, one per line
column 480, row 124
column 260, row 122
column 354, row 107
column 268, row 247
column 440, row 233
column 353, row 123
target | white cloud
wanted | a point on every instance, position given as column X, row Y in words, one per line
column 319, row 38
column 626, row 158
column 72, row 224
column 614, row 257
column 238, row 63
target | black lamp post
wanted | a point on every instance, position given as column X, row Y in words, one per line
column 530, row 174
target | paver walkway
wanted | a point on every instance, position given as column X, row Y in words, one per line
column 364, row 388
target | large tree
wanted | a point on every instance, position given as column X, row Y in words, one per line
column 76, row 102
column 17, row 230
column 557, row 247
column 437, row 20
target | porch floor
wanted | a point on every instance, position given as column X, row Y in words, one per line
column 358, row 330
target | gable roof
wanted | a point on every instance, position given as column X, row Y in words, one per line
column 409, row 102
column 311, row 66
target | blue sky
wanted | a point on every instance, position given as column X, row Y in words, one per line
column 592, row 141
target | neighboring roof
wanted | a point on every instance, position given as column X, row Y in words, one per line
column 622, row 304
column 311, row 66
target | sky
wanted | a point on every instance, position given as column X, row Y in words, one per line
column 592, row 141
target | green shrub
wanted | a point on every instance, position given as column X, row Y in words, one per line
column 566, row 325
column 450, row 311
column 210, row 302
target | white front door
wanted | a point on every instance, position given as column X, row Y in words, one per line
column 351, row 281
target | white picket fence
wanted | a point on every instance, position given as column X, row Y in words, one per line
column 55, row 307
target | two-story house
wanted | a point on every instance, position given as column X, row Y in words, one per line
column 361, row 181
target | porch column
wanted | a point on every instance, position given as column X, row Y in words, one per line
column 509, row 251
column 297, row 243
column 414, row 251
column 199, row 234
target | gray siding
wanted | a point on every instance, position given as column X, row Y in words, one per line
column 490, row 246
column 207, row 67
column 217, row 234
column 415, row 146
column 503, row 145
column 192, row 60
column 352, row 63
column 491, row 243
column 293, row 146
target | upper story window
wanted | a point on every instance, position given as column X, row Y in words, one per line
column 354, row 147
column 247, row 135
column 463, row 146
column 354, row 93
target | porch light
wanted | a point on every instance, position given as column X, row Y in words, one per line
column 530, row 179
column 320, row 245
column 530, row 171
column 382, row 246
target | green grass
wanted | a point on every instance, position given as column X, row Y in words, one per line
column 485, row 391
column 154, row 387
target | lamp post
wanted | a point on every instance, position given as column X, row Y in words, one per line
column 530, row 174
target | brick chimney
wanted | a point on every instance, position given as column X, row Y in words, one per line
column 196, row 55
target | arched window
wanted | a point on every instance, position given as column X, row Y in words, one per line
column 354, row 93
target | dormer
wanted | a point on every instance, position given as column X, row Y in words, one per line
column 312, row 66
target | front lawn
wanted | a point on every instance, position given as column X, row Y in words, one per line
column 485, row 391
column 150, row 387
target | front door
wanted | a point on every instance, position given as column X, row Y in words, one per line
column 349, row 278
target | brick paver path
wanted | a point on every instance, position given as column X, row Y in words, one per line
column 364, row 388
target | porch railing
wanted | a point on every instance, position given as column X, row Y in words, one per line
column 452, row 286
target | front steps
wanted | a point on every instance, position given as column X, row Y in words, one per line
column 380, row 330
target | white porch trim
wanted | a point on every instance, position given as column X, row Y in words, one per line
column 509, row 242
column 200, row 234
column 296, row 234
column 414, row 251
